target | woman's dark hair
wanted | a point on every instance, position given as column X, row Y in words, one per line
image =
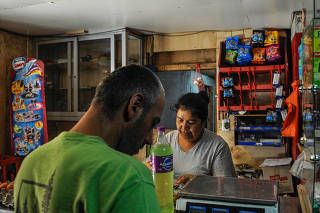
column 197, row 103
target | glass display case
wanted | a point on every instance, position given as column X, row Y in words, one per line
column 75, row 65
column 310, row 111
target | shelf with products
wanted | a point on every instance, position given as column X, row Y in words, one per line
column 255, row 130
column 253, row 86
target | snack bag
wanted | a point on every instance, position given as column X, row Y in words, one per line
column 246, row 41
column 258, row 38
column 232, row 43
column 273, row 53
column 272, row 37
column 244, row 55
column 231, row 56
column 227, row 82
column 259, row 55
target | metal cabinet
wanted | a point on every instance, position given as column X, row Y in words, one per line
column 74, row 66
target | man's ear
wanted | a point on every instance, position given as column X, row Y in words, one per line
column 135, row 106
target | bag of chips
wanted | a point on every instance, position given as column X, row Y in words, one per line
column 273, row 53
column 271, row 37
column 246, row 41
column 259, row 55
column 232, row 43
column 231, row 56
column 244, row 55
column 258, row 38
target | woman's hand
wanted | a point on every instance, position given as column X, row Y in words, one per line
column 184, row 179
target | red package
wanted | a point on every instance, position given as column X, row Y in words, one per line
column 273, row 53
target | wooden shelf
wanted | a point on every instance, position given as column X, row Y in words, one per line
column 180, row 67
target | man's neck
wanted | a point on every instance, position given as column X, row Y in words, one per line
column 95, row 124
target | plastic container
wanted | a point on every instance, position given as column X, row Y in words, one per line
column 162, row 171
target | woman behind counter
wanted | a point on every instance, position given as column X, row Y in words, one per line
column 197, row 150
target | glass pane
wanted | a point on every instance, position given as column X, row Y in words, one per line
column 94, row 63
column 118, row 51
column 55, row 58
column 134, row 50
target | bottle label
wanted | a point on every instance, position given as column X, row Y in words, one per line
column 161, row 164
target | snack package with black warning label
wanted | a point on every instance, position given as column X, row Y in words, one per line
column 258, row 38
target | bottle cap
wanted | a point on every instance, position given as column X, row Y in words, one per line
column 161, row 128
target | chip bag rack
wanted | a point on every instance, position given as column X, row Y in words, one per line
column 252, row 91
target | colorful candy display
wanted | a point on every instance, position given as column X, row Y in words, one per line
column 28, row 114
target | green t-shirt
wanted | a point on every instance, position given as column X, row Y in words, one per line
column 81, row 173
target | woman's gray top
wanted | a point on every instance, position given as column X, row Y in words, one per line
column 210, row 156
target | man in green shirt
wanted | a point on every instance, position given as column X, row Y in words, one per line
column 89, row 168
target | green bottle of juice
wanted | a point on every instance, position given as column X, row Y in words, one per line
column 162, row 171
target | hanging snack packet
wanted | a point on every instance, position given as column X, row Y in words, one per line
column 228, row 93
column 245, row 41
column 232, row 43
column 244, row 55
column 259, row 55
column 273, row 53
column 231, row 56
column 258, row 38
column 227, row 82
column 271, row 37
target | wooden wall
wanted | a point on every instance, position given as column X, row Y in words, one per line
column 11, row 46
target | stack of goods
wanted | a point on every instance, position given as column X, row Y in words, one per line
column 227, row 85
column 263, row 47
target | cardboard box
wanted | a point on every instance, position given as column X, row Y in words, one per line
column 278, row 170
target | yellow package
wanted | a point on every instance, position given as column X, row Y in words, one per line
column 271, row 37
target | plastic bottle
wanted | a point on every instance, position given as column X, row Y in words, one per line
column 162, row 171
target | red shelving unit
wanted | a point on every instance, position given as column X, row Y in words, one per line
column 253, row 88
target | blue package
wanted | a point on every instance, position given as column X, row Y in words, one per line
column 244, row 55
column 232, row 43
